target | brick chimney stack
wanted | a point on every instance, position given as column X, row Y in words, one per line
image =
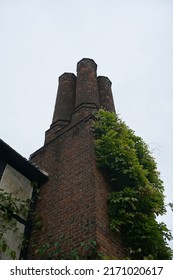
column 73, row 202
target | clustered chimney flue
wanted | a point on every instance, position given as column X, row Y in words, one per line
column 82, row 91
column 86, row 87
column 65, row 101
column 105, row 93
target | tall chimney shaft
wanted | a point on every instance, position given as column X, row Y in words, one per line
column 86, row 86
column 65, row 101
column 105, row 93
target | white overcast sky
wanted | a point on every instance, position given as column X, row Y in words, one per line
column 130, row 40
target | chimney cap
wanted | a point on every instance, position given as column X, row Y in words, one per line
column 104, row 78
column 87, row 61
column 67, row 75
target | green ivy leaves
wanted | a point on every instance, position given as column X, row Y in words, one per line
column 10, row 206
column 126, row 161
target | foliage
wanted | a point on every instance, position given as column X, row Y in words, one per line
column 61, row 249
column 138, row 198
column 10, row 206
column 53, row 250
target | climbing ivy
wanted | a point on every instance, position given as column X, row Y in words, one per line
column 138, row 192
column 52, row 250
column 10, row 206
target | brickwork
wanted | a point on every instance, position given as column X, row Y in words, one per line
column 73, row 202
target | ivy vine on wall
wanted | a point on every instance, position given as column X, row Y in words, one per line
column 10, row 207
column 138, row 196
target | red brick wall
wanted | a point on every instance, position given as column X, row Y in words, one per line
column 73, row 203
